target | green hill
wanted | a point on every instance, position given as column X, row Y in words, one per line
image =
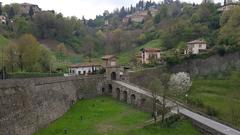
column 125, row 57
column 3, row 41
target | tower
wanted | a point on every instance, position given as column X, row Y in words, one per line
column 113, row 70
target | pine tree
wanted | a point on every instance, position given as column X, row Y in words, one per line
column 11, row 13
column 0, row 8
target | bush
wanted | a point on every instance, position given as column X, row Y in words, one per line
column 211, row 111
column 32, row 75
column 221, row 51
column 172, row 120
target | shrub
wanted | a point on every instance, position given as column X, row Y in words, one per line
column 211, row 111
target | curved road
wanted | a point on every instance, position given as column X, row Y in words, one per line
column 221, row 128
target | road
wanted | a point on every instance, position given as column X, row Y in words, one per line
column 219, row 127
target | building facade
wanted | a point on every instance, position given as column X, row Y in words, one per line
column 150, row 54
column 110, row 60
column 84, row 69
column 195, row 47
column 25, row 8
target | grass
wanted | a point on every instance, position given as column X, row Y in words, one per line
column 125, row 57
column 222, row 93
column 3, row 41
column 105, row 116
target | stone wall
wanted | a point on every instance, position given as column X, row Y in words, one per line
column 211, row 65
column 30, row 104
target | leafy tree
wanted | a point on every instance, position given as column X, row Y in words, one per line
column 61, row 49
column 88, row 47
column 229, row 33
column 11, row 13
column 0, row 8
column 11, row 56
column 29, row 52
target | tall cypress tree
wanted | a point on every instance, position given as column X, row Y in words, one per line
column 31, row 12
column 0, row 8
column 11, row 13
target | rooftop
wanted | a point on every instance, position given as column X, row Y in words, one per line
column 198, row 41
column 151, row 49
column 107, row 57
column 85, row 65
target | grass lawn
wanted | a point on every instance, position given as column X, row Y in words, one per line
column 105, row 116
column 221, row 93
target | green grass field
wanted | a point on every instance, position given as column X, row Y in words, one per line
column 105, row 116
column 221, row 93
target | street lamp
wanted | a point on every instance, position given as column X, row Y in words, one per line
column 186, row 98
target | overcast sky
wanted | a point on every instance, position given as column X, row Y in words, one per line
column 88, row 8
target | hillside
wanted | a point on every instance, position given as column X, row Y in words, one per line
column 123, row 32
column 127, row 56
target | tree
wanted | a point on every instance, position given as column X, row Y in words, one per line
column 61, row 50
column 229, row 33
column 31, row 12
column 11, row 56
column 160, row 87
column 11, row 13
column 180, row 83
column 29, row 53
column 88, row 47
column 0, row 8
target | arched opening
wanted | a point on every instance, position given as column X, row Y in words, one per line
column 142, row 101
column 113, row 76
column 110, row 88
column 118, row 93
column 125, row 96
column 133, row 98
column 103, row 90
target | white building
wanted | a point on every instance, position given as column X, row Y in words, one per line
column 150, row 54
column 3, row 19
column 84, row 69
column 195, row 47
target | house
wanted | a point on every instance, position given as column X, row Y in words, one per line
column 3, row 19
column 195, row 47
column 150, row 54
column 25, row 8
column 110, row 60
column 84, row 69
column 153, row 10
column 137, row 17
column 227, row 7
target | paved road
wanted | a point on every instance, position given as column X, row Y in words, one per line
column 221, row 128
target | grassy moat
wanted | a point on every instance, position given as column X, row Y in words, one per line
column 106, row 116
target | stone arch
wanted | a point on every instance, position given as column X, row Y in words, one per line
column 110, row 88
column 118, row 93
column 133, row 99
column 113, row 76
column 103, row 90
column 125, row 96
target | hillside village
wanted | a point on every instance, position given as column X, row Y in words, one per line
column 174, row 66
